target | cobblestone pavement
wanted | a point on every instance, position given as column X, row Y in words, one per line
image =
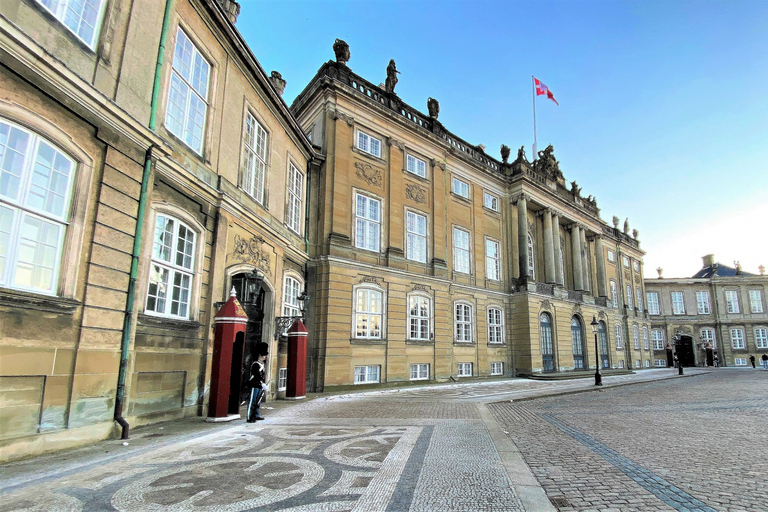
column 431, row 448
column 682, row 444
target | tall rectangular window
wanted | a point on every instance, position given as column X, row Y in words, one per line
column 629, row 296
column 419, row 317
column 614, row 294
column 639, row 293
column 293, row 205
column 492, row 260
column 732, row 301
column 291, row 291
column 460, row 251
column 368, row 222
column 657, row 335
column 463, row 322
column 636, row 337
column 755, row 301
column 737, row 338
column 35, row 192
column 702, row 302
column 495, row 326
column 490, row 201
column 460, row 188
column 254, row 158
column 464, row 369
column 611, row 256
column 282, row 379
column 708, row 336
column 678, row 305
column 761, row 338
column 368, row 143
column 171, row 271
column 420, row 371
column 645, row 338
column 416, row 166
column 653, row 303
column 416, row 243
column 368, row 313
column 82, row 17
column 619, row 337
column 188, row 93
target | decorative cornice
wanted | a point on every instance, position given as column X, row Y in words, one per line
column 344, row 117
column 394, row 142
column 439, row 164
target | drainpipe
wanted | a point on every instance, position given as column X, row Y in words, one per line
column 131, row 299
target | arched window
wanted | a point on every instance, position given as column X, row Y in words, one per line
column 463, row 322
column 292, row 288
column 577, row 341
column 646, row 343
column 36, row 181
column 369, row 307
column 531, row 265
column 419, row 316
column 172, row 268
column 547, row 348
column 602, row 336
column 495, row 325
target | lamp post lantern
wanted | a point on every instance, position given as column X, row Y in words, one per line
column 598, row 378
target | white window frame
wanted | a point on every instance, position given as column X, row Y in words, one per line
column 492, row 260
column 629, row 297
column 495, row 317
column 619, row 330
column 419, row 324
column 490, row 201
column 636, row 265
column 367, row 222
column 462, row 255
column 755, row 301
column 294, row 201
column 419, row 371
column 460, row 187
column 416, row 165
column 660, row 363
column 625, row 261
column 646, row 343
column 657, row 335
column 639, row 294
column 611, row 256
column 732, row 301
column 637, row 363
column 497, row 368
column 160, row 263
column 416, row 236
column 367, row 143
column 740, row 361
column 707, row 335
column 737, row 338
column 678, row 303
column 531, row 259
column 255, row 152
column 365, row 314
column 464, row 369
column 652, row 302
column 621, row 363
column 282, row 379
column 761, row 338
column 368, row 374
column 463, row 322
column 292, row 287
column 636, row 337
column 614, row 293
column 702, row 302
column 62, row 10
column 191, row 130
column 37, row 201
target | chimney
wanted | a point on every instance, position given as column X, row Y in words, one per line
column 231, row 9
column 278, row 82
column 708, row 260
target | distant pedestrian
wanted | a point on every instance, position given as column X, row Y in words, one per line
column 765, row 361
column 752, row 360
column 716, row 361
column 675, row 360
column 258, row 387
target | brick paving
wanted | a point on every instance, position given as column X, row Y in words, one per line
column 681, row 444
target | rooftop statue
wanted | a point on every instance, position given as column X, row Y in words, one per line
column 504, row 153
column 626, row 226
column 432, row 106
column 521, row 153
column 341, row 49
column 548, row 165
column 615, row 222
column 575, row 188
column 392, row 73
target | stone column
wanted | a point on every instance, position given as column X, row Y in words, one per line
column 585, row 260
column 600, row 264
column 559, row 270
column 578, row 269
column 522, row 234
column 549, row 249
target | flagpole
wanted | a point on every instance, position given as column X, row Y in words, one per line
column 533, row 98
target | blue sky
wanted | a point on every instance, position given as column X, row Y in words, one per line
column 663, row 110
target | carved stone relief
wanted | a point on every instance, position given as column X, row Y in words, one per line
column 252, row 250
column 545, row 304
column 369, row 174
column 416, row 193
column 371, row 280
column 344, row 117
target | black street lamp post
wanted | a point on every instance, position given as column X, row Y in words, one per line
column 598, row 377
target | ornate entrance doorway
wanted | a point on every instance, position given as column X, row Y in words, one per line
column 684, row 350
column 252, row 293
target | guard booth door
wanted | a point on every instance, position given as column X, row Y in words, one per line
column 252, row 295
column 684, row 350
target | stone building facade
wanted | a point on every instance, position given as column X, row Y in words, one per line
column 431, row 260
column 148, row 165
column 720, row 310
